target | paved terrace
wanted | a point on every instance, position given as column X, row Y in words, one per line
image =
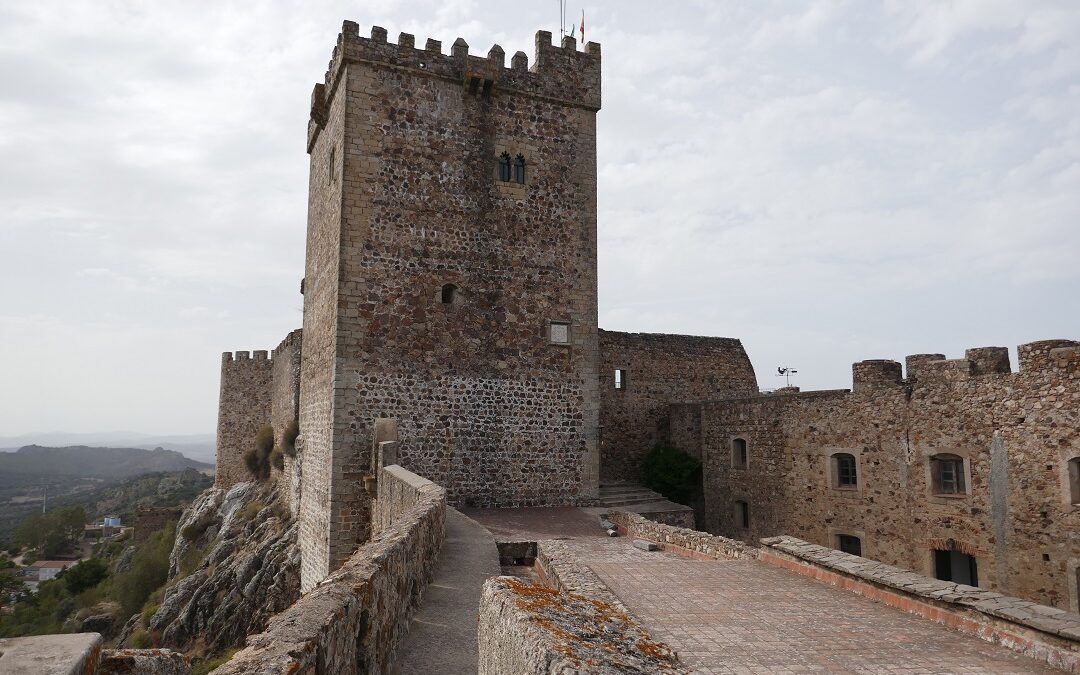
column 744, row 616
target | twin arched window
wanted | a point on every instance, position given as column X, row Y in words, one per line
column 512, row 169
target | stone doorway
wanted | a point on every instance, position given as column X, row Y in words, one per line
column 956, row 566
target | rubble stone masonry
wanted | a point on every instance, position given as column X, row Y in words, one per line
column 432, row 285
column 1014, row 432
column 243, row 407
column 656, row 369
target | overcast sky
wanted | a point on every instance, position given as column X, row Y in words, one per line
column 828, row 181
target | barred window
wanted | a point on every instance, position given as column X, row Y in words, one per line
column 846, row 471
column 947, row 474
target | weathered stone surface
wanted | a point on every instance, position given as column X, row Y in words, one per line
column 352, row 621
column 72, row 654
column 250, row 569
column 708, row 545
column 143, row 662
column 1015, row 432
column 644, row 545
column 528, row 629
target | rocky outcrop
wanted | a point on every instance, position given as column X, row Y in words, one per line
column 142, row 662
column 235, row 564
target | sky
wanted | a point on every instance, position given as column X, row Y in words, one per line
column 828, row 181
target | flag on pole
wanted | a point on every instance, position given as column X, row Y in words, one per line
column 582, row 26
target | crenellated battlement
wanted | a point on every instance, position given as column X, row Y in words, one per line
column 245, row 356
column 558, row 72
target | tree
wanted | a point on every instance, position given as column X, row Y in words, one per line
column 87, row 574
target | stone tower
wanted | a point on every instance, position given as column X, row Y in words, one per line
column 450, row 278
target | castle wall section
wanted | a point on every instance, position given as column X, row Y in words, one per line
column 285, row 409
column 656, row 369
column 243, row 407
column 1015, row 433
column 487, row 405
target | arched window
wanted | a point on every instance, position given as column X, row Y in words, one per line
column 845, row 471
column 947, row 475
column 519, row 169
column 740, row 455
column 449, row 295
column 504, row 166
column 1074, row 480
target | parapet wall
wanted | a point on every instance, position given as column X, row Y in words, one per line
column 244, row 406
column 1014, row 433
column 657, row 369
column 1043, row 633
column 680, row 540
column 559, row 72
column 353, row 620
column 528, row 629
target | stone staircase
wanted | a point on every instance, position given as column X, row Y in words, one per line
column 625, row 493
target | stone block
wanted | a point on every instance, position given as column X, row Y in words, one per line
column 72, row 654
column 644, row 545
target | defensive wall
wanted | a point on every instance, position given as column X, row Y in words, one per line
column 257, row 389
column 243, row 407
column 654, row 370
column 442, row 293
column 1012, row 438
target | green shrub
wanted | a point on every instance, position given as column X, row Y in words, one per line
column 213, row 662
column 149, row 570
column 257, row 458
column 672, row 473
column 251, row 510
column 277, row 459
column 288, row 438
column 142, row 639
column 148, row 611
column 85, row 575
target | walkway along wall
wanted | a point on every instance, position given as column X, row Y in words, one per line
column 1011, row 436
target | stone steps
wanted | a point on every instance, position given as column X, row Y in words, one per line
column 627, row 494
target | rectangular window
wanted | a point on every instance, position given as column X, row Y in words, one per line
column 560, row 333
column 849, row 544
column 742, row 515
column 947, row 474
column 740, row 457
column 620, row 379
column 846, row 472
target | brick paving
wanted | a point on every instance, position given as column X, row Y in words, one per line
column 743, row 616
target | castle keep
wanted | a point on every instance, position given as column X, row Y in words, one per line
column 450, row 306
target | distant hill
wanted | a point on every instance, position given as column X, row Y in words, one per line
column 81, row 460
column 196, row 446
column 84, row 475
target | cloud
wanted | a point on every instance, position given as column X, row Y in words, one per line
column 828, row 181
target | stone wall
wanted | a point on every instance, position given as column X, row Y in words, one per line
column 243, row 408
column 353, row 620
column 285, row 409
column 1015, row 433
column 405, row 203
column 528, row 629
column 680, row 540
column 1043, row 633
column 659, row 369
column 149, row 520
